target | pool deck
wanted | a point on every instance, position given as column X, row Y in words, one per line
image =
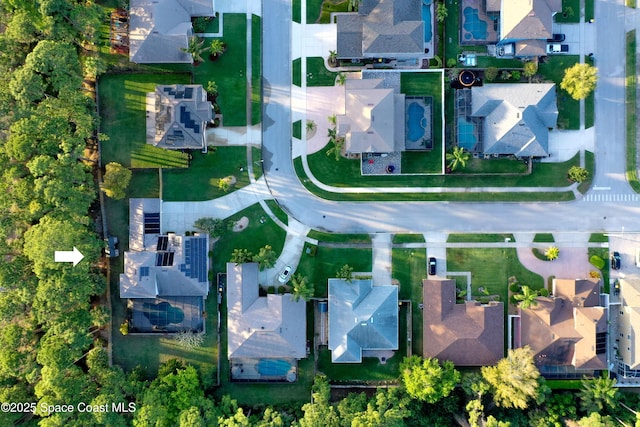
column 467, row 37
column 246, row 369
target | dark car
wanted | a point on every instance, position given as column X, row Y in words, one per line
column 616, row 287
column 432, row 266
column 556, row 38
column 615, row 261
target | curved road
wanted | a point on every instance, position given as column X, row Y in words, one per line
column 424, row 217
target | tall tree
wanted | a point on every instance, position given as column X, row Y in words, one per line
column 527, row 298
column 300, row 288
column 426, row 379
column 240, row 256
column 514, row 380
column 598, row 394
column 195, row 48
column 345, row 272
column 319, row 413
column 266, row 257
column 580, row 80
column 458, row 157
column 115, row 180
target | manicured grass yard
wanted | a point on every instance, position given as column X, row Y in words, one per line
column 408, row 238
column 229, row 70
column 477, row 238
column 425, row 84
column 568, row 108
column 296, row 72
column 277, row 211
column 339, row 238
column 327, row 261
column 409, row 267
column 491, row 268
column 202, row 176
column 319, row 11
column 317, row 73
column 493, row 166
column 122, row 119
column 256, row 69
column 296, row 11
column 605, row 255
column 253, row 237
column 570, row 11
column 296, row 129
column 631, row 85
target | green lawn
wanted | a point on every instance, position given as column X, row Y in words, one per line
column 589, row 102
column 409, row 267
column 408, row 238
column 229, row 70
column 327, row 261
column 491, row 268
column 568, row 108
column 479, row 238
column 339, row 238
column 631, row 130
column 277, row 211
column 202, row 176
column 604, row 254
column 442, row 196
column 317, row 73
column 369, row 370
column 589, row 9
column 256, row 158
column 590, row 165
column 296, row 72
column 256, row 69
column 122, row 119
column 570, row 11
column 543, row 238
column 493, row 166
column 296, row 11
column 253, row 237
column 296, row 129
column 598, row 238
column 346, row 173
column 314, row 8
column 330, row 6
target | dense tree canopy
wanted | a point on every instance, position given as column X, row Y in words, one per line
column 427, row 379
column 580, row 80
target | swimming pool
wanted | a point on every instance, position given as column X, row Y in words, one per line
column 475, row 27
column 426, row 17
column 273, row 367
column 415, row 116
column 466, row 136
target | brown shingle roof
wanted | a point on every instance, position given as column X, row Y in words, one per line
column 468, row 334
column 561, row 330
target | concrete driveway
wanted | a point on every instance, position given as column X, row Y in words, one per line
column 573, row 263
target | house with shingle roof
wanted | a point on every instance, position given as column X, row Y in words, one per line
column 374, row 117
column 362, row 318
column 159, row 30
column 629, row 322
column 526, row 24
column 271, row 327
column 166, row 276
column 512, row 118
column 568, row 329
column 177, row 117
column 381, row 29
column 469, row 334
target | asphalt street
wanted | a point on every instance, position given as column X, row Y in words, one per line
column 589, row 214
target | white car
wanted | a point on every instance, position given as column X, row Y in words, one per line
column 285, row 275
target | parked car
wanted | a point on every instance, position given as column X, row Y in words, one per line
column 432, row 266
column 616, row 287
column 615, row 261
column 557, row 48
column 111, row 248
column 285, row 275
column 557, row 38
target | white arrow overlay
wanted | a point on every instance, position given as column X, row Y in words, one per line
column 74, row 256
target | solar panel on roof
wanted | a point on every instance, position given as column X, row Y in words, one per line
column 196, row 129
column 151, row 223
column 163, row 242
column 144, row 272
column 188, row 92
column 601, row 342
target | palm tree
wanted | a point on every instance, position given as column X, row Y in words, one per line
column 341, row 79
column 458, row 157
column 311, row 125
column 598, row 394
column 333, row 58
column 300, row 288
column 336, row 148
column 552, row 253
column 527, row 298
column 195, row 49
column 212, row 88
column 216, row 48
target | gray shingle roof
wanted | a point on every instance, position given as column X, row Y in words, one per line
column 361, row 317
column 159, row 29
column 381, row 28
column 262, row 327
column 516, row 117
column 527, row 19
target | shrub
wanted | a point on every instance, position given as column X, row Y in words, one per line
column 595, row 274
column 516, row 75
column 124, row 327
column 451, row 62
column 515, row 287
column 597, row 262
column 281, row 290
column 577, row 174
column 271, row 290
column 544, row 292
column 505, row 74
column 491, row 73
column 552, row 253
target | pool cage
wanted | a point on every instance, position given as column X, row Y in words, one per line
column 166, row 314
column 468, row 128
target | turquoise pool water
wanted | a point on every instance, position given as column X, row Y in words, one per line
column 476, row 27
column 415, row 115
column 426, row 17
column 466, row 137
column 273, row 367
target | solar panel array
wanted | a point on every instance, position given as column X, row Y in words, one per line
column 151, row 223
column 601, row 342
column 164, row 259
column 186, row 93
column 187, row 121
column 163, row 242
column 195, row 259
column 144, row 272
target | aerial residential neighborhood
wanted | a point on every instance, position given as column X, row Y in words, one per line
column 320, row 213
